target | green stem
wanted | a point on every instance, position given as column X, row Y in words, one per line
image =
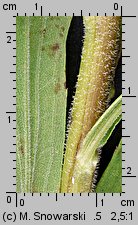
column 100, row 56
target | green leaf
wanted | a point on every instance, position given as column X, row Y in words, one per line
column 111, row 180
column 87, row 157
column 41, row 102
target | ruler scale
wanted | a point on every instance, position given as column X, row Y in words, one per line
column 48, row 208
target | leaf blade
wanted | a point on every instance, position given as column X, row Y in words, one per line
column 111, row 180
column 46, row 102
column 87, row 157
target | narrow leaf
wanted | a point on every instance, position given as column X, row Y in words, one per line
column 41, row 102
column 87, row 157
column 111, row 180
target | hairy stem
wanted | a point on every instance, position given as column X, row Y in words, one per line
column 100, row 56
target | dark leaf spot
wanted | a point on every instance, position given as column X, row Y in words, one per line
column 43, row 48
column 61, row 34
column 57, row 87
column 56, row 25
column 44, row 31
column 52, row 17
column 55, row 47
column 34, row 189
column 22, row 150
column 30, row 34
column 62, row 28
column 65, row 85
